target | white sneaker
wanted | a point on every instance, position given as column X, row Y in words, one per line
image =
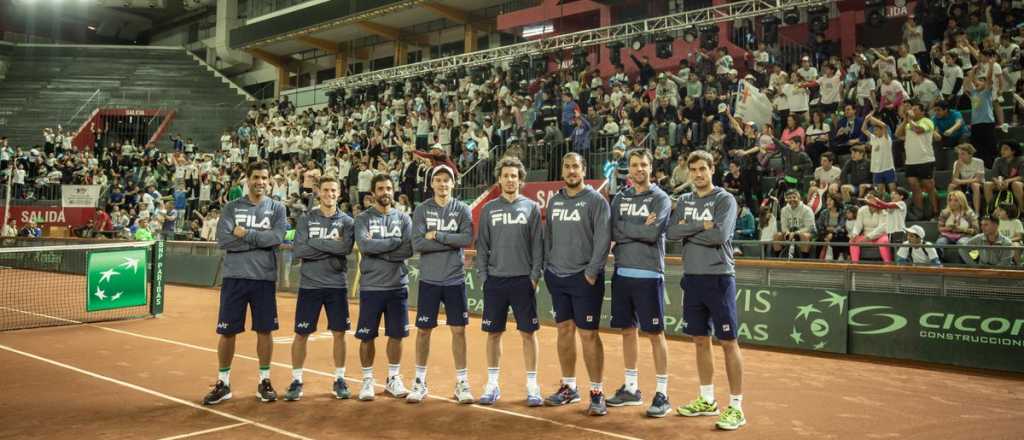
column 395, row 387
column 1005, row 128
column 462, row 393
column 367, row 393
column 419, row 392
column 533, row 397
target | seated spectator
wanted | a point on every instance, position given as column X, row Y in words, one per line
column 950, row 125
column 917, row 255
column 1006, row 183
column 797, row 164
column 732, row 181
column 817, row 137
column 989, row 236
column 10, row 229
column 796, row 224
column 30, row 230
column 856, row 175
column 746, row 224
column 849, row 131
column 828, row 176
column 957, row 223
column 968, row 174
column 870, row 226
column 831, row 226
column 680, row 179
column 895, row 212
column 1009, row 225
column 142, row 232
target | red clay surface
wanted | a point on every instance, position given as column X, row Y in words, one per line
column 164, row 366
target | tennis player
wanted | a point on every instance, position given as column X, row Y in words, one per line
column 442, row 227
column 250, row 230
column 323, row 240
column 705, row 220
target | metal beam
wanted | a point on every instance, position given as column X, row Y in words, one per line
column 269, row 58
column 393, row 34
column 591, row 37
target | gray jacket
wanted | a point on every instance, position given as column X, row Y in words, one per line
column 576, row 235
column 705, row 252
column 637, row 245
column 510, row 242
column 442, row 259
column 988, row 257
column 252, row 257
column 385, row 241
column 323, row 244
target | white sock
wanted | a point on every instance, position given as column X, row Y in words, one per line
column 632, row 377
column 571, row 381
column 339, row 373
column 736, row 401
column 264, row 373
column 531, row 379
column 708, row 393
column 367, row 373
column 393, row 369
column 597, row 386
column 462, row 375
column 297, row 374
column 492, row 376
column 661, row 383
column 224, row 375
column 421, row 374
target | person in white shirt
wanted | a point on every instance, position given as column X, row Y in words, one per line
column 798, row 100
column 10, row 229
column 797, row 223
column 827, row 176
column 952, row 76
column 906, row 64
column 917, row 255
column 883, row 168
column 917, row 130
column 806, row 72
column 925, row 90
column 968, row 174
column 913, row 37
column 830, row 88
column 225, row 141
column 870, row 227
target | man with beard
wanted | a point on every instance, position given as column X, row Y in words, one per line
column 509, row 256
column 705, row 220
column 639, row 215
column 323, row 238
column 250, row 231
column 575, row 249
column 442, row 227
column 384, row 236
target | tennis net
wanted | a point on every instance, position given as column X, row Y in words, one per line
column 42, row 286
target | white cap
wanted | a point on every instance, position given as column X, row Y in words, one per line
column 916, row 230
column 444, row 168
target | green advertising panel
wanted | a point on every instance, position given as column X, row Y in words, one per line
column 116, row 279
column 969, row 332
column 810, row 319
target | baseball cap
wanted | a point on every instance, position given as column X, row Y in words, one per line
column 916, row 230
column 446, row 169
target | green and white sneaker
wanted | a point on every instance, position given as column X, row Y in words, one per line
column 731, row 419
column 698, row 407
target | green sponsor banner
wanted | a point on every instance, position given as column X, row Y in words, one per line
column 969, row 332
column 809, row 319
column 116, row 279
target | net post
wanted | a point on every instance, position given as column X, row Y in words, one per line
column 156, row 303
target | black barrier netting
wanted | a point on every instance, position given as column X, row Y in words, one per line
column 46, row 286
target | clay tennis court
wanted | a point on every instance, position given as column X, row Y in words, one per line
column 144, row 378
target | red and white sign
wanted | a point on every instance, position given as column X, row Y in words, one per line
column 50, row 215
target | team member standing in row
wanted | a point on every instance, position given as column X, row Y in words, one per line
column 442, row 227
column 575, row 250
column 384, row 236
column 250, row 231
column 639, row 217
column 323, row 240
column 705, row 220
column 509, row 257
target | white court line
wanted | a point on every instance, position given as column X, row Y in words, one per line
column 154, row 393
column 326, row 374
column 206, row 431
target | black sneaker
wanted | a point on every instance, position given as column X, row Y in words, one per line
column 659, row 406
column 265, row 392
column 626, row 398
column 218, row 394
column 564, row 395
column 597, row 404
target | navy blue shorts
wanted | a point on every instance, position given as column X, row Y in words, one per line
column 334, row 303
column 392, row 304
column 429, row 304
column 885, row 177
column 638, row 301
column 573, row 298
column 709, row 301
column 500, row 294
column 235, row 295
